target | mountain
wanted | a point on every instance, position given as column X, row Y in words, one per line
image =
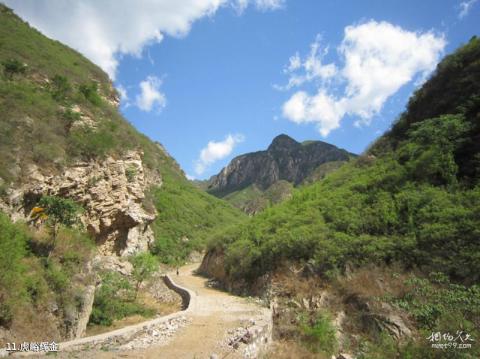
column 386, row 247
column 248, row 177
column 64, row 143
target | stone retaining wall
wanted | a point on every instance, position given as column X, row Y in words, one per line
column 121, row 337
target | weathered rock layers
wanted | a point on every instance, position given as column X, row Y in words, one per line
column 111, row 191
column 285, row 159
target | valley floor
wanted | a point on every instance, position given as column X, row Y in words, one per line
column 217, row 319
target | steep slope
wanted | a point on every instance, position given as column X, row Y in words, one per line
column 61, row 133
column 413, row 201
column 63, row 138
column 247, row 177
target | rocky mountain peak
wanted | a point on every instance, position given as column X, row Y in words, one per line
column 283, row 142
column 285, row 159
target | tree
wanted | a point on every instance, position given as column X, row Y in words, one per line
column 58, row 211
column 144, row 265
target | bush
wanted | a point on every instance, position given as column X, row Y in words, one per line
column 60, row 88
column 131, row 173
column 90, row 92
column 318, row 334
column 113, row 300
column 91, row 143
column 186, row 217
column 12, row 67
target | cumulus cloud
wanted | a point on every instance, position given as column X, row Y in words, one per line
column 105, row 30
column 379, row 58
column 465, row 7
column 150, row 95
column 215, row 151
column 310, row 69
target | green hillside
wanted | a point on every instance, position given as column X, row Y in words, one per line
column 58, row 108
column 41, row 83
column 413, row 201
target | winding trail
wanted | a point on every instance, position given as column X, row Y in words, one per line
column 212, row 318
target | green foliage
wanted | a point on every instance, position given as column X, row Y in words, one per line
column 60, row 88
column 59, row 211
column 318, row 334
column 432, row 301
column 438, row 306
column 13, row 67
column 186, row 217
column 407, row 206
column 29, row 280
column 113, row 300
column 144, row 266
column 90, row 92
column 13, row 240
column 71, row 117
column 35, row 130
column 454, row 88
column 253, row 200
column 87, row 142
column 131, row 173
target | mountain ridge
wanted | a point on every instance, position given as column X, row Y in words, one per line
column 284, row 159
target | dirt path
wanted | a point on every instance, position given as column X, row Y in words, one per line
column 212, row 321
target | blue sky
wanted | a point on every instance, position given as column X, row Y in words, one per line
column 209, row 80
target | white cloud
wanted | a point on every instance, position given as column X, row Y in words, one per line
column 262, row 5
column 122, row 92
column 379, row 58
column 150, row 95
column 465, row 7
column 105, row 30
column 215, row 151
column 190, row 178
column 311, row 68
column 124, row 99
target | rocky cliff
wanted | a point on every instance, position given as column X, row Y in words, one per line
column 285, row 159
column 254, row 181
column 110, row 190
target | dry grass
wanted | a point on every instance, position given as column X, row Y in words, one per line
column 374, row 282
column 31, row 325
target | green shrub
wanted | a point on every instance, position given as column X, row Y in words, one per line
column 60, row 88
column 131, row 173
column 113, row 300
column 13, row 67
column 91, row 143
column 90, row 92
column 432, row 301
column 318, row 334
column 186, row 217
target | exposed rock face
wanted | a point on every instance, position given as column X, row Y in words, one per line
column 285, row 159
column 111, row 191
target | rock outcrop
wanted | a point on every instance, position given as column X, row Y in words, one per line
column 111, row 191
column 285, row 159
